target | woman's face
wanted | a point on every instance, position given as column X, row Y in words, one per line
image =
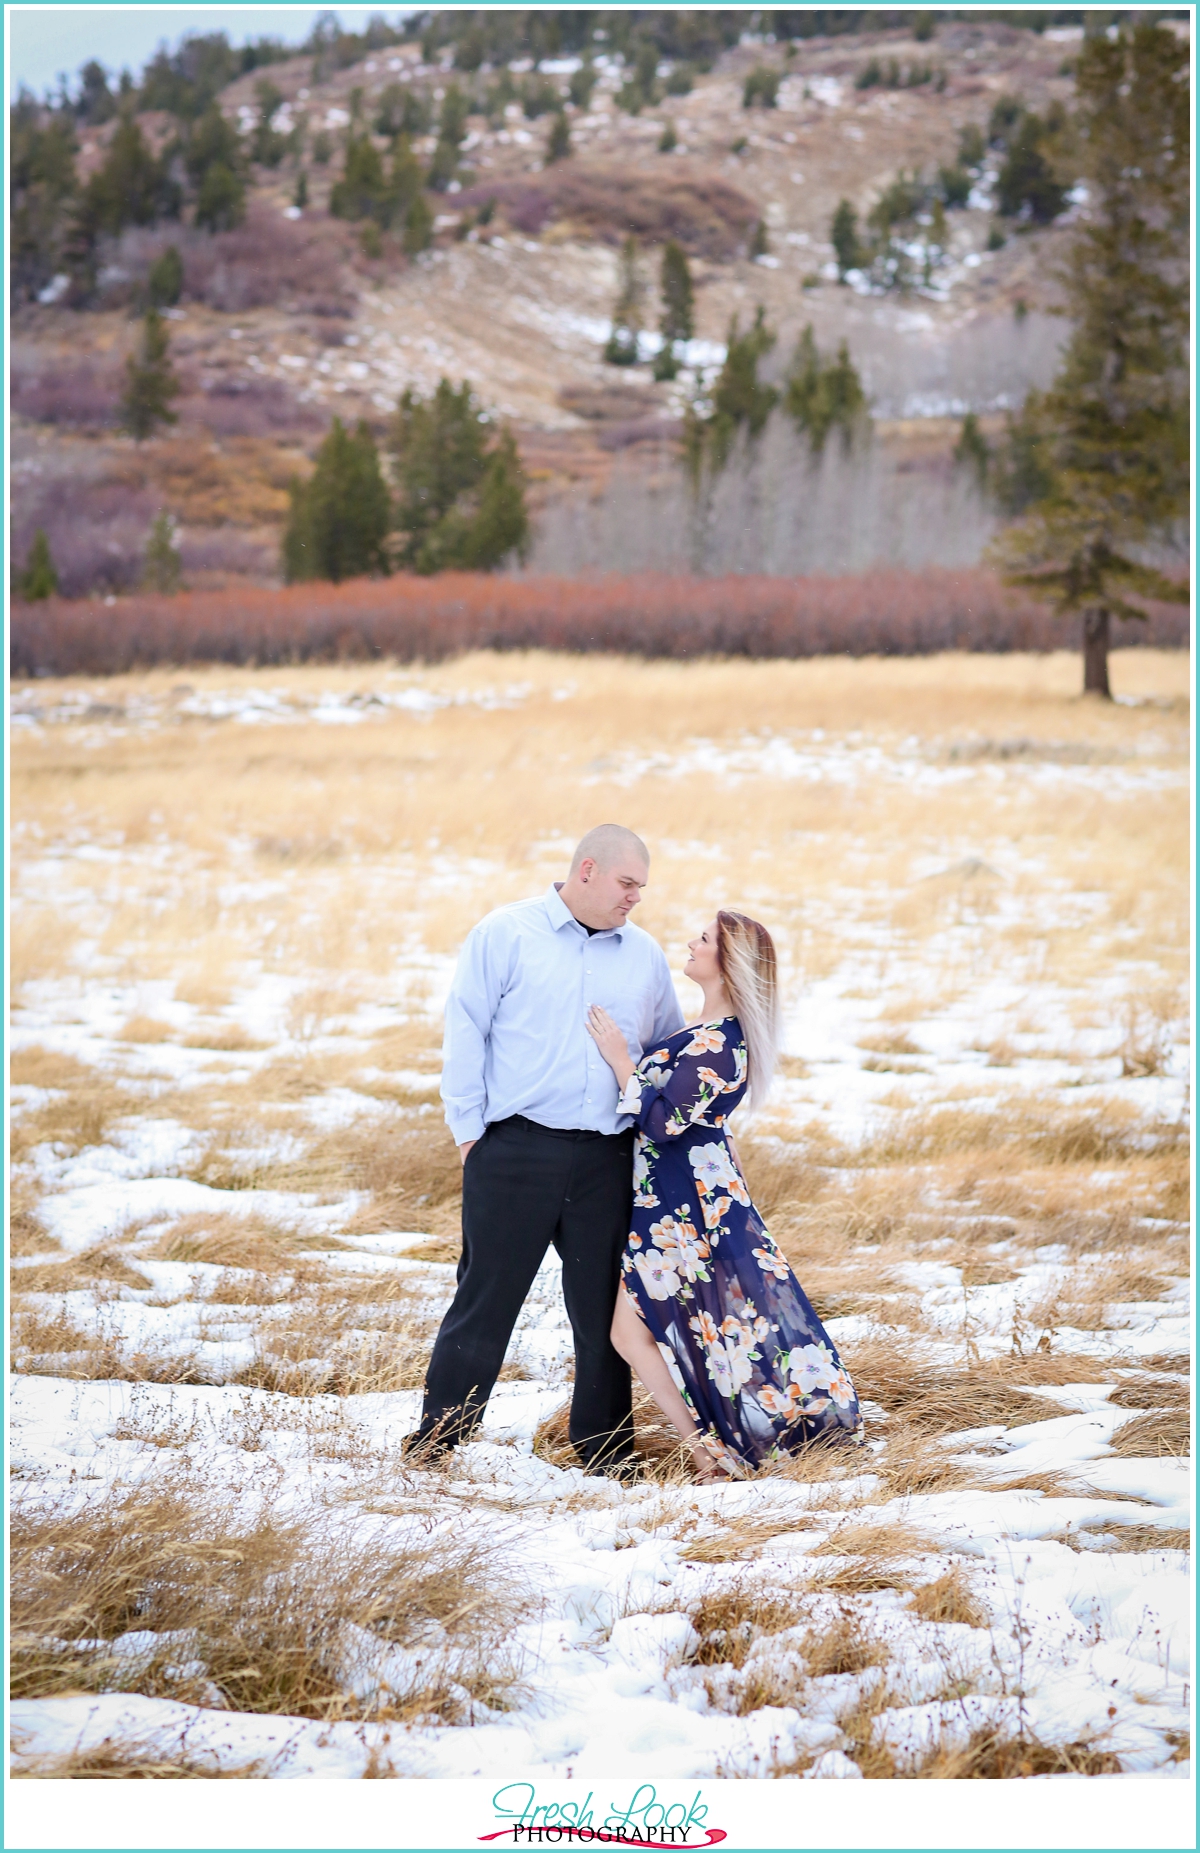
column 701, row 962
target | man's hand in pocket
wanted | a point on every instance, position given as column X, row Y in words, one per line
column 464, row 1148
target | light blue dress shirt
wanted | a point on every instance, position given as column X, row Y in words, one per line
column 516, row 1033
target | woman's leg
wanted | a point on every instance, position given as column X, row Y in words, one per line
column 631, row 1338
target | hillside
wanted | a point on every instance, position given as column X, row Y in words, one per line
column 287, row 321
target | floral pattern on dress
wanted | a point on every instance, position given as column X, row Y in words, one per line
column 745, row 1349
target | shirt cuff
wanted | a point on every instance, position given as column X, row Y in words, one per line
column 469, row 1126
column 630, row 1098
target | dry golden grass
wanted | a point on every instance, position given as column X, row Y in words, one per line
column 226, row 1239
column 949, row 1597
column 262, row 1611
column 362, row 856
column 104, row 1265
column 945, row 1400
column 1157, row 1432
column 996, row 1755
column 126, row 1760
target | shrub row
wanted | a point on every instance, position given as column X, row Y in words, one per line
column 888, row 612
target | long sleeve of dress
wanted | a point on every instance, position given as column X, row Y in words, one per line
column 711, row 1066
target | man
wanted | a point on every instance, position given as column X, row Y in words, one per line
column 532, row 1106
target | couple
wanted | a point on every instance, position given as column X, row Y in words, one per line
column 588, row 1114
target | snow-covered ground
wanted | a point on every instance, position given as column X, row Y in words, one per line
column 789, row 1625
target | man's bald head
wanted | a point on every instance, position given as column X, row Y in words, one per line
column 608, row 872
column 607, row 845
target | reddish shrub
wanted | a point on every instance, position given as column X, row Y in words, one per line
column 707, row 215
column 293, row 262
column 79, row 394
column 888, row 612
column 249, row 408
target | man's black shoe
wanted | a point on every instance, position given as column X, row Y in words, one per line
column 425, row 1450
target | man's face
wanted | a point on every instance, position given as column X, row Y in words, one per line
column 610, row 895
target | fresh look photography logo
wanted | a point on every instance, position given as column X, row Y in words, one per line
column 644, row 1821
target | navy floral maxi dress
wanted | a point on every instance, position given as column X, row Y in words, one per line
column 753, row 1362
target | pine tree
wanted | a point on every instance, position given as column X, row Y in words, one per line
column 215, row 166
column 221, row 201
column 404, row 183
column 558, row 142
column 162, row 563
column 132, row 187
column 461, row 496
column 452, row 129
column 622, row 347
column 843, row 234
column 339, row 519
column 42, row 185
column 677, row 323
column 822, row 396
column 1114, row 424
column 1019, row 471
column 164, row 281
column 741, row 401
column 362, row 191
column 39, row 580
column 418, row 226
column 972, row 451
column 150, row 382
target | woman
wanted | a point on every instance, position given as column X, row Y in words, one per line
column 709, row 1315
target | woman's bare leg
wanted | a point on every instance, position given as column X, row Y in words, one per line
column 635, row 1344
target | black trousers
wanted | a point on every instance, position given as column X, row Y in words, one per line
column 525, row 1186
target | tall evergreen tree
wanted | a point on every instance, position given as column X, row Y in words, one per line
column 461, row 499
column 362, row 191
column 1114, row 425
column 741, row 402
column 339, row 519
column 150, row 381
column 628, row 315
column 972, row 453
column 843, row 233
column 164, row 281
column 41, row 187
column 823, row 396
column 418, row 226
column 39, row 580
column 132, row 187
column 221, row 201
column 452, row 130
column 162, row 563
column 558, row 142
column 677, row 323
column 215, row 164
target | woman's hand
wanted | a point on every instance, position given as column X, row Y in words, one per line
column 610, row 1041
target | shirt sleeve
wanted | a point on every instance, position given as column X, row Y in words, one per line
column 692, row 1093
column 668, row 1017
column 478, row 986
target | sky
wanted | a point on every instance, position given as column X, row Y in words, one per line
column 44, row 40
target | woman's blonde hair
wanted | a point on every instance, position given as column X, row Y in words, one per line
column 746, row 961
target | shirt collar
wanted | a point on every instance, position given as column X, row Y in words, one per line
column 560, row 914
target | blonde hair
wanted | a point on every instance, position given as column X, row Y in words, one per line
column 746, row 961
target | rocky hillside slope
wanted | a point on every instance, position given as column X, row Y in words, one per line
column 295, row 318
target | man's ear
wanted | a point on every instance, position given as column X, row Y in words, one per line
column 585, row 868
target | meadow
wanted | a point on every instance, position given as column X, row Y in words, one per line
column 237, row 898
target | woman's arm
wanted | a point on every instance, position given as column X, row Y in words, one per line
column 692, row 1094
